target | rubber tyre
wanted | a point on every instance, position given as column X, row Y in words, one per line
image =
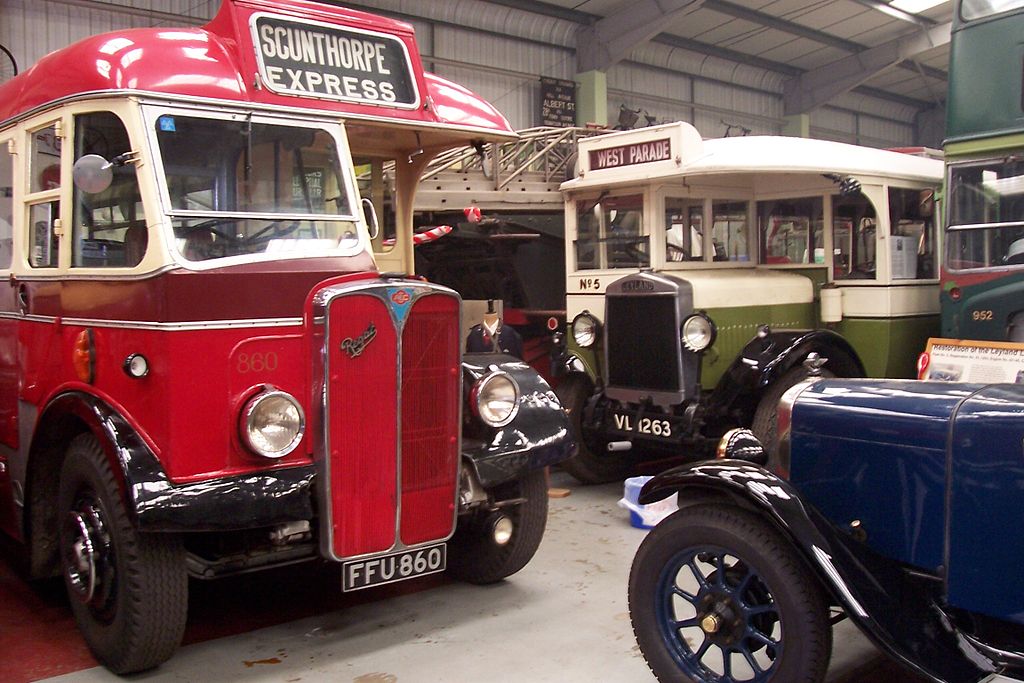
column 585, row 466
column 474, row 557
column 137, row 615
column 801, row 605
column 766, row 418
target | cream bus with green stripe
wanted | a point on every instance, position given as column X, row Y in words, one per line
column 701, row 273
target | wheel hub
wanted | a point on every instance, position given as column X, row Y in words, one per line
column 85, row 549
column 721, row 618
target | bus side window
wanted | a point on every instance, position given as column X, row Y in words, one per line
column 730, row 230
column 853, row 237
column 109, row 227
column 6, row 205
column 684, row 229
column 376, row 184
column 791, row 230
column 43, row 199
column 911, row 216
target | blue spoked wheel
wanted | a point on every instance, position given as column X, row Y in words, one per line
column 718, row 596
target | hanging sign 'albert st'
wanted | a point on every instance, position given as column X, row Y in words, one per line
column 312, row 59
column 629, row 155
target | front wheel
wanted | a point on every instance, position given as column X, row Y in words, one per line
column 128, row 590
column 475, row 556
column 586, row 466
column 717, row 595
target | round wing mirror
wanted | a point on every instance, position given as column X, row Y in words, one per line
column 92, row 173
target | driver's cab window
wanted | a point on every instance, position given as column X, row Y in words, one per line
column 912, row 239
column 109, row 228
column 791, row 231
column 610, row 233
column 43, row 199
column 239, row 187
column 376, row 180
column 854, row 228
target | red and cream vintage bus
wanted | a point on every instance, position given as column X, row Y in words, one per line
column 203, row 367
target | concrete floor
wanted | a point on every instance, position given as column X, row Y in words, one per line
column 563, row 618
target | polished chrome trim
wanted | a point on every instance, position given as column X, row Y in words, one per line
column 786, row 403
column 644, row 285
column 152, row 325
column 478, row 386
column 245, row 422
column 88, row 274
column 322, row 301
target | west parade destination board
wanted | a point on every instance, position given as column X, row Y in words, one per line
column 313, row 59
column 630, row 155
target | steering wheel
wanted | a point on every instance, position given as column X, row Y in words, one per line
column 674, row 252
column 210, row 227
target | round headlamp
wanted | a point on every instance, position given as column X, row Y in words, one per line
column 272, row 424
column 495, row 398
column 585, row 329
column 698, row 332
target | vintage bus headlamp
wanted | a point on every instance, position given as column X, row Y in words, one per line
column 272, row 424
column 585, row 329
column 495, row 399
column 698, row 332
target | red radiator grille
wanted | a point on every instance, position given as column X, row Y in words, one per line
column 362, row 422
column 431, row 395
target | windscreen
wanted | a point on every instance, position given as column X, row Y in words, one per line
column 986, row 214
column 238, row 187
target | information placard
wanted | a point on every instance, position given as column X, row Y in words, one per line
column 964, row 360
column 557, row 103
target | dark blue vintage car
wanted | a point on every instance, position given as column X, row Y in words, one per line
column 897, row 502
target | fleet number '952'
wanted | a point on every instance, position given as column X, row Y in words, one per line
column 981, row 315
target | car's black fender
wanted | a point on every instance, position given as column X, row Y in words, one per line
column 768, row 357
column 538, row 436
column 900, row 611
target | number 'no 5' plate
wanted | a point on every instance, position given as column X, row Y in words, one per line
column 375, row 571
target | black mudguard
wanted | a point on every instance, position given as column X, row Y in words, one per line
column 899, row 610
column 765, row 359
column 236, row 502
column 538, row 436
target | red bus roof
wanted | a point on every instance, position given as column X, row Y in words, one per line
column 271, row 53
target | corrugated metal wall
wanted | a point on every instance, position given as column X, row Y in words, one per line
column 500, row 52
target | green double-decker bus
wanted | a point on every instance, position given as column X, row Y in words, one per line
column 983, row 269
